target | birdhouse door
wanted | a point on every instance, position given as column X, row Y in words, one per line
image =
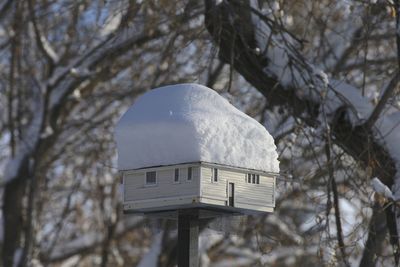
column 231, row 194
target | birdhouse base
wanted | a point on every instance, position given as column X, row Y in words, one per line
column 204, row 211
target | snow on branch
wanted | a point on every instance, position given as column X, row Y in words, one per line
column 151, row 257
column 292, row 71
column 287, row 78
column 284, row 61
column 86, row 65
column 88, row 241
column 29, row 140
column 381, row 189
column 42, row 42
column 270, row 59
column 388, row 92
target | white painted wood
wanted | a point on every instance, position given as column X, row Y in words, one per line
column 161, row 202
column 246, row 194
column 213, row 201
column 237, row 169
column 161, row 168
column 136, row 189
column 201, row 190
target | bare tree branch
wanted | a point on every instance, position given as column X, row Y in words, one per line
column 388, row 93
column 258, row 71
column 332, row 182
column 41, row 40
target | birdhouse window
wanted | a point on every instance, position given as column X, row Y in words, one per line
column 189, row 174
column 151, row 178
column 253, row 178
column 214, row 175
column 176, row 177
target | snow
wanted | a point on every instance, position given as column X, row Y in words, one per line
column 1, row 226
column 88, row 240
column 49, row 49
column 70, row 262
column 63, row 78
column 17, row 257
column 282, row 51
column 348, row 213
column 82, row 241
column 284, row 229
column 287, row 253
column 111, row 24
column 386, row 128
column 151, row 257
column 191, row 123
column 389, row 135
column 343, row 94
column 292, row 70
column 207, row 239
column 381, row 189
column 28, row 143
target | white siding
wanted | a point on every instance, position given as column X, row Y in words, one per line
column 135, row 188
column 246, row 194
column 201, row 190
column 215, row 191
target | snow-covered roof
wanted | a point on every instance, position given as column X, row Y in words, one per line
column 191, row 123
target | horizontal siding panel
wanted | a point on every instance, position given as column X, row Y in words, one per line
column 252, row 194
column 253, row 190
column 255, row 195
column 249, row 200
column 135, row 188
column 268, row 208
column 212, row 201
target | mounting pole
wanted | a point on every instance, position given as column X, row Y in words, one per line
column 188, row 238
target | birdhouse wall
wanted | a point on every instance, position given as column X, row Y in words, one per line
column 246, row 195
column 206, row 185
column 135, row 188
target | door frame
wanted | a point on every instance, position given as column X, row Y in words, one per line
column 231, row 194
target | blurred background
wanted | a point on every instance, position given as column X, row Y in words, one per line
column 69, row 69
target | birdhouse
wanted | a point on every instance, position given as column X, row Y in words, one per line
column 186, row 147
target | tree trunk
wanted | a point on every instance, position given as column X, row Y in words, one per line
column 235, row 39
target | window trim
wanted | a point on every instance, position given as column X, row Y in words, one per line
column 150, row 184
column 179, row 176
column 214, row 174
column 252, row 178
column 191, row 174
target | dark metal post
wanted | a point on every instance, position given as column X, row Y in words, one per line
column 188, row 238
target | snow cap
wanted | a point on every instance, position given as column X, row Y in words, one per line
column 191, row 123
